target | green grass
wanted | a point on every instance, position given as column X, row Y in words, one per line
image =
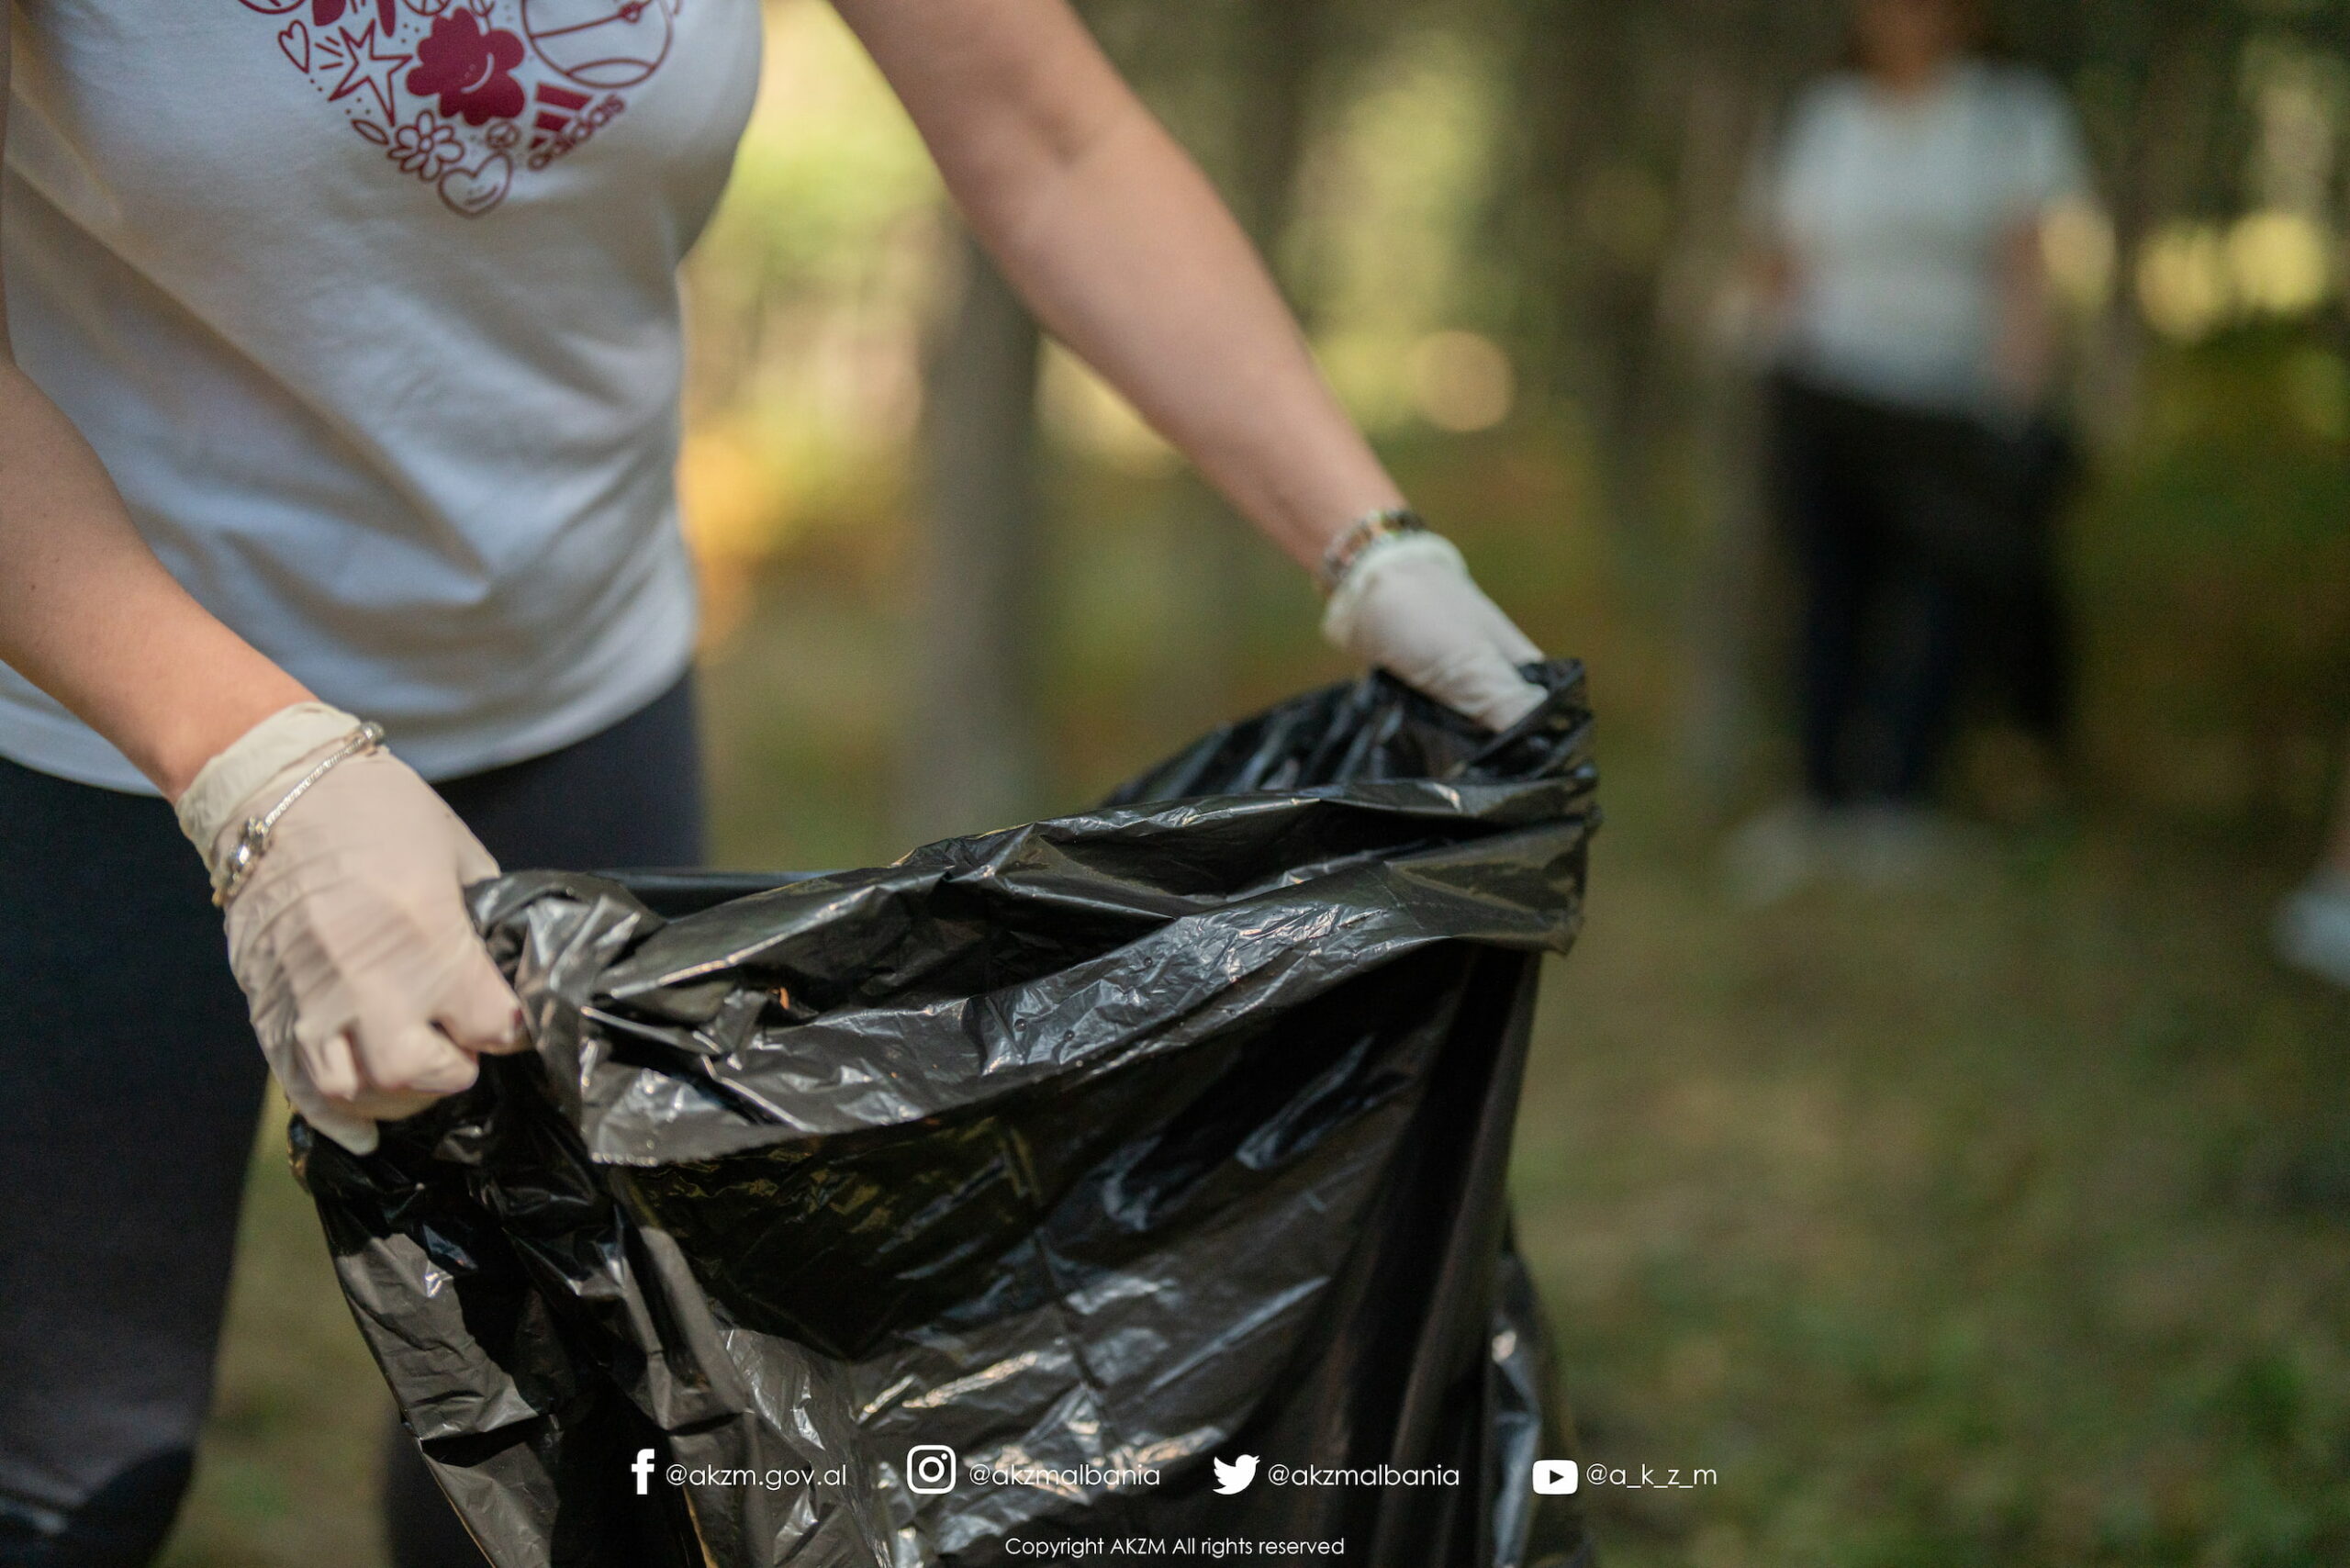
column 2007, row 1222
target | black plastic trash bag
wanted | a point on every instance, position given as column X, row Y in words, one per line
column 999, row 1203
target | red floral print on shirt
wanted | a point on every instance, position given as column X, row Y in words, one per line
column 475, row 98
column 425, row 146
column 471, row 67
column 325, row 11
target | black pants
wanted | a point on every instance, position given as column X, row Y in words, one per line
column 130, row 1085
column 1924, row 546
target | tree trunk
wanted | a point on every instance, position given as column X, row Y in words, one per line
column 2188, row 70
column 971, row 761
column 1754, row 56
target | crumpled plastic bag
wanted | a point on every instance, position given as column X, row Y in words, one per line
column 1102, row 1152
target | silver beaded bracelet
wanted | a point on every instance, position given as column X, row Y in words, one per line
column 252, row 839
column 1360, row 536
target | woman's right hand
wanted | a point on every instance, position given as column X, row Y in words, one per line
column 369, row 990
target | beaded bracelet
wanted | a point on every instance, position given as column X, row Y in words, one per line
column 1360, row 536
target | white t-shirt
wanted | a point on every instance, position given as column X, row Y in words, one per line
column 370, row 308
column 1894, row 210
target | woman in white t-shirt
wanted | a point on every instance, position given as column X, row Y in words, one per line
column 341, row 379
column 1898, row 227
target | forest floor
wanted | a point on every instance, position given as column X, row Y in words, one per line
column 2001, row 1221
column 2004, row 1218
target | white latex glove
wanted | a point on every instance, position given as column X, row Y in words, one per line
column 1408, row 605
column 368, row 988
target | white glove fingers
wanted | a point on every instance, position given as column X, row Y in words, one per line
column 400, row 1054
column 330, row 1081
column 337, row 1121
column 478, row 1010
column 1485, row 687
column 474, row 863
column 1410, row 607
column 330, row 1064
column 353, row 1133
column 1514, row 649
column 389, row 1107
column 1506, row 706
column 1514, row 646
column 349, row 932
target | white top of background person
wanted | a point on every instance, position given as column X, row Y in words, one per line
column 1900, row 217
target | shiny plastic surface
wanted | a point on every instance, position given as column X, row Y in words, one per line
column 1168, row 1132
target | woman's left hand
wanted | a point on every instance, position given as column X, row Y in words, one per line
column 1119, row 245
column 1408, row 605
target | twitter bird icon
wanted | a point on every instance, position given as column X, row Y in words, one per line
column 1236, row 1476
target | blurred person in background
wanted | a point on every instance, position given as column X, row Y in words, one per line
column 326, row 394
column 1914, row 463
column 2313, row 924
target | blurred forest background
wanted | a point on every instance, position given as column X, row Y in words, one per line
column 2001, row 1219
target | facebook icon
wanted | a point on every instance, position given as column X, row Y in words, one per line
column 643, row 1470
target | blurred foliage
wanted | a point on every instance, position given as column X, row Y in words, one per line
column 1522, row 214
column 2212, row 564
column 805, row 299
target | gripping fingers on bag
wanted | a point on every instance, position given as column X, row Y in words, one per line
column 330, row 1064
column 411, row 1057
column 1496, row 696
column 384, row 1066
column 324, row 1081
column 376, row 1107
column 1411, row 608
column 350, row 1084
column 1479, row 681
column 478, row 1011
column 1499, row 695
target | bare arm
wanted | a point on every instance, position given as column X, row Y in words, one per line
column 91, row 617
column 1123, row 248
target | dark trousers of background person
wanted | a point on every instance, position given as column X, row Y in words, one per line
column 1925, row 547
column 130, row 1087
